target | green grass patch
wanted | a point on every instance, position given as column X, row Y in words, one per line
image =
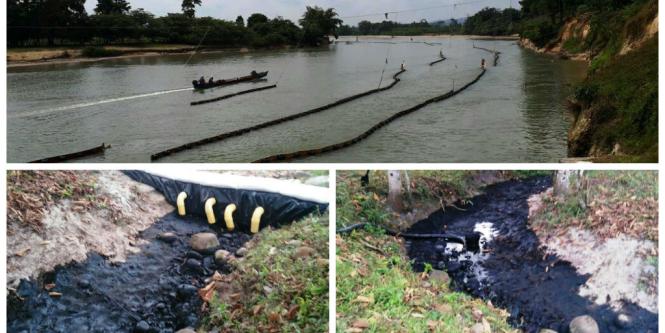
column 626, row 99
column 608, row 203
column 279, row 292
column 381, row 290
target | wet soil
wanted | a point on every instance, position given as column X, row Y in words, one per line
column 539, row 290
column 152, row 291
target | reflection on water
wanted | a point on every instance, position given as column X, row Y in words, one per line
column 141, row 105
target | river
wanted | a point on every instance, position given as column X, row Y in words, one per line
column 140, row 105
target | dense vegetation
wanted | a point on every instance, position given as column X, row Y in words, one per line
column 66, row 22
column 542, row 19
column 489, row 21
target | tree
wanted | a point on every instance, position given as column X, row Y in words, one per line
column 319, row 23
column 256, row 19
column 240, row 21
column 189, row 7
column 110, row 7
column 395, row 190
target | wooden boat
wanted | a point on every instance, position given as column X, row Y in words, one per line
column 251, row 77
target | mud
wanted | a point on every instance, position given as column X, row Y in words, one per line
column 152, row 291
column 539, row 290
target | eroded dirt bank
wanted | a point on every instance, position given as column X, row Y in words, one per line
column 539, row 289
column 105, row 220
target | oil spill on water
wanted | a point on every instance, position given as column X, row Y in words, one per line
column 153, row 291
column 539, row 290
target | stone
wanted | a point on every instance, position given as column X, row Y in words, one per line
column 623, row 321
column 167, row 237
column 222, row 256
column 584, row 324
column 186, row 291
column 193, row 264
column 84, row 284
column 304, row 252
column 440, row 276
column 194, row 255
column 321, row 181
column 241, row 252
column 204, row 242
column 547, row 330
column 142, row 326
column 185, row 330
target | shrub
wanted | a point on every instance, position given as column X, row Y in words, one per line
column 99, row 52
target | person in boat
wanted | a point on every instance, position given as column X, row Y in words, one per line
column 202, row 80
column 211, row 81
column 255, row 74
column 482, row 63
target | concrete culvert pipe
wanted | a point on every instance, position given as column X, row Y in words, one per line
column 246, row 204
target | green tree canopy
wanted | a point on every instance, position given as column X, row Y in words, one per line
column 189, row 7
column 109, row 7
column 319, row 23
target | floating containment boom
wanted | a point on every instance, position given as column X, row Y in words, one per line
column 318, row 151
column 66, row 157
column 278, row 121
column 233, row 95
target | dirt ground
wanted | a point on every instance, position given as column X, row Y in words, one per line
column 108, row 227
column 619, row 267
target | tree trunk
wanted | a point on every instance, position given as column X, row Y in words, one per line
column 395, row 190
column 567, row 182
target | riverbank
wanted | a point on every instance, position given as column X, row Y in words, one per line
column 616, row 107
column 28, row 57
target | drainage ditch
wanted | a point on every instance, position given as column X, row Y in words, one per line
column 156, row 289
column 510, row 269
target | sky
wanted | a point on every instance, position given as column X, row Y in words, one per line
column 293, row 9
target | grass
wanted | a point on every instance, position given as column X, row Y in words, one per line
column 378, row 292
column 609, row 203
column 627, row 96
column 272, row 290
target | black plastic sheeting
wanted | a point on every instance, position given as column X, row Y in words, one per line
column 152, row 291
column 279, row 209
column 538, row 290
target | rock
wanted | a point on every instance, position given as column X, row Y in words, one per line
column 440, row 276
column 194, row 255
column 623, row 321
column 186, row 291
column 193, row 264
column 304, row 252
column 584, row 324
column 241, row 252
column 84, row 284
column 321, row 181
column 222, row 256
column 142, row 326
column 167, row 237
column 547, row 330
column 185, row 330
column 205, row 242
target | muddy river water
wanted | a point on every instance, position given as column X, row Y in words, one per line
column 140, row 105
